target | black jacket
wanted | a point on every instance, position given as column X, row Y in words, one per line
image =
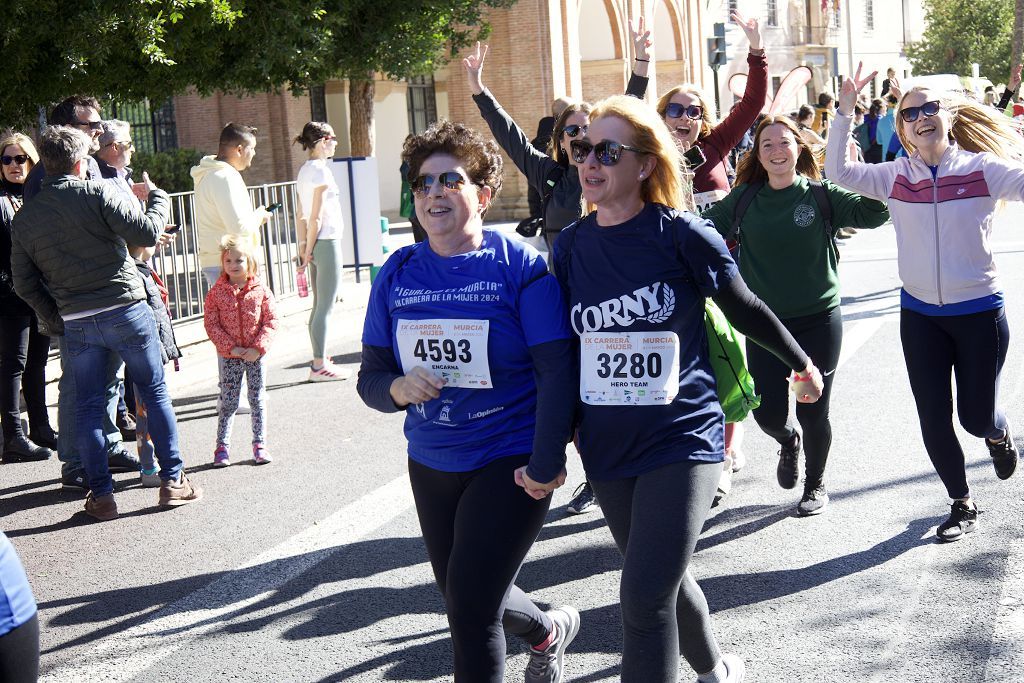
column 565, row 206
column 70, row 250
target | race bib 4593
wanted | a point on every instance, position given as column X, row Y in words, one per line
column 455, row 350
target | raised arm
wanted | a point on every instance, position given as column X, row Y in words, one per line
column 870, row 180
column 729, row 132
column 640, row 36
column 1011, row 87
column 532, row 162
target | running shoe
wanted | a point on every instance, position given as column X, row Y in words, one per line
column 74, row 480
column 735, row 669
column 121, row 460
column 788, row 471
column 102, row 508
column 150, row 478
column 739, row 460
column 329, row 373
column 814, row 502
column 962, row 520
column 260, row 454
column 583, row 500
column 1004, row 455
column 221, row 457
column 546, row 665
column 724, row 482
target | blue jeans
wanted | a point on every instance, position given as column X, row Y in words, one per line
column 67, row 446
column 131, row 333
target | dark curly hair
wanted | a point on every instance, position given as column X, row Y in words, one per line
column 480, row 157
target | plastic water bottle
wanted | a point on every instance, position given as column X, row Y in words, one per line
column 302, row 283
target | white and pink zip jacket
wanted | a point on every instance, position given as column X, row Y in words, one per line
column 943, row 224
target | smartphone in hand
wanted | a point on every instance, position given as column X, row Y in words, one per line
column 172, row 228
column 276, row 206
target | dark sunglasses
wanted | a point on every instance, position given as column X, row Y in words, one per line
column 122, row 144
column 92, row 125
column 911, row 114
column 452, row 180
column 16, row 159
column 607, row 152
column 693, row 111
column 575, row 129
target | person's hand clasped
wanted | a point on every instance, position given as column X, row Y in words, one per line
column 807, row 385
column 251, row 355
column 536, row 490
column 418, row 386
column 474, row 63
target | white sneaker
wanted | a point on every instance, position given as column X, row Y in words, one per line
column 150, row 481
column 546, row 665
column 329, row 373
column 739, row 460
column 735, row 669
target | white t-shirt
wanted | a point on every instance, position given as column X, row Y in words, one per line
column 313, row 174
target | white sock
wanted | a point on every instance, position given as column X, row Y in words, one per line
column 719, row 674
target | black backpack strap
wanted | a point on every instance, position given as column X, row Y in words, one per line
column 548, row 189
column 825, row 207
column 742, row 204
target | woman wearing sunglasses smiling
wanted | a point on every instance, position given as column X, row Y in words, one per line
column 23, row 349
column 635, row 273
column 965, row 158
column 788, row 256
column 690, row 116
column 468, row 334
column 555, row 177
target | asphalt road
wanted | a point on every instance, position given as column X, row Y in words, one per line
column 312, row 569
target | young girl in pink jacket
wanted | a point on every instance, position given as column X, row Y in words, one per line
column 240, row 321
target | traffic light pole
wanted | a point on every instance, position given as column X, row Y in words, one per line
column 718, row 98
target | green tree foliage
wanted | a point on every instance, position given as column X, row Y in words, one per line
column 401, row 39
column 961, row 32
column 129, row 50
column 170, row 170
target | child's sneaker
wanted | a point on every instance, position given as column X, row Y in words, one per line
column 260, row 454
column 150, row 478
column 221, row 458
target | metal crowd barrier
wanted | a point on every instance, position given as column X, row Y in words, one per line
column 178, row 264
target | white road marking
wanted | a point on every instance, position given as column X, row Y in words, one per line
column 131, row 652
column 856, row 334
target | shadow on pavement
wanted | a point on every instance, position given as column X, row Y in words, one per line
column 739, row 590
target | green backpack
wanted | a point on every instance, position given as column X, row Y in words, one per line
column 729, row 363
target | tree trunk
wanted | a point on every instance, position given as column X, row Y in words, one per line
column 1017, row 46
column 360, row 106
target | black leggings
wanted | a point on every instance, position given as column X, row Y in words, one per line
column 23, row 353
column 19, row 653
column 478, row 527
column 972, row 348
column 655, row 519
column 821, row 336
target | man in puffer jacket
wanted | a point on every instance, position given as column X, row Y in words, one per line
column 71, row 264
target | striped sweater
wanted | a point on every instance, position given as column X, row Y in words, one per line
column 943, row 223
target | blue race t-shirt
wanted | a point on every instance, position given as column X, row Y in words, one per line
column 636, row 296
column 470, row 318
column 16, row 602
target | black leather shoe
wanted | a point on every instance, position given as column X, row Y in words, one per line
column 47, row 438
column 20, row 449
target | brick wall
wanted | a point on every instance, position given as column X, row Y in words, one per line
column 278, row 118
